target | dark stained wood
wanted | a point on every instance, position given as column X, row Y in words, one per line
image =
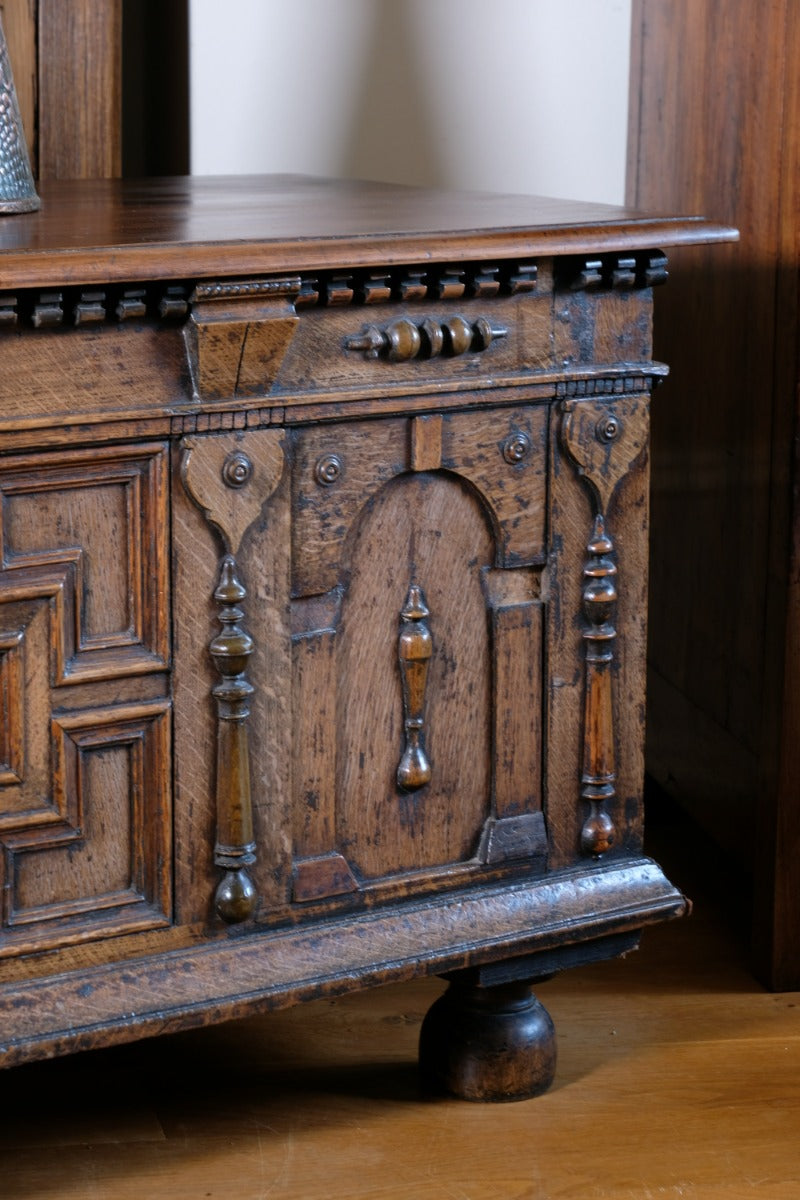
column 710, row 128
column 80, row 89
column 315, row 715
column 231, row 488
column 66, row 58
column 604, row 441
column 180, row 227
column 488, row 1044
column 777, row 900
column 226, row 978
column 683, row 1011
column 388, row 827
column 155, row 88
column 415, row 648
column 85, row 813
column 235, row 849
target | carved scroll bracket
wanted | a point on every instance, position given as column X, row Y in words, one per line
column 604, row 441
column 230, row 478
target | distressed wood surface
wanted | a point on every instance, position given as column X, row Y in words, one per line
column 400, row 539
column 349, row 633
column 263, row 561
column 224, row 978
column 85, row 806
column 693, row 1066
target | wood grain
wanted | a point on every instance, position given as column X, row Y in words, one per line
column 226, row 978
column 693, row 1066
column 338, row 490
column 86, row 806
column 710, row 129
column 400, row 539
column 176, row 227
column 80, row 96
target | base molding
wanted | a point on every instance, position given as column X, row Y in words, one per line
column 237, row 975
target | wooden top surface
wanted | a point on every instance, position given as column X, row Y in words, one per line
column 173, row 228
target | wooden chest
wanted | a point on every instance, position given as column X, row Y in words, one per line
column 323, row 524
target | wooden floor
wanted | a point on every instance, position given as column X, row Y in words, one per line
column 678, row 1077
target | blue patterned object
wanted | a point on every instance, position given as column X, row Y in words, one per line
column 17, row 189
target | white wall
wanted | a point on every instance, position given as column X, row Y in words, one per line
column 503, row 95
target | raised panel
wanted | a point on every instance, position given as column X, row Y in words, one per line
column 517, row 638
column 100, row 517
column 455, row 506
column 104, row 866
column 431, row 530
column 85, row 824
column 11, row 726
column 26, row 791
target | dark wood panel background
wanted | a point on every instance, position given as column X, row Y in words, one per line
column 714, row 124
column 103, row 85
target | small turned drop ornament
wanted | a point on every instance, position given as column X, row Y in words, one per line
column 415, row 648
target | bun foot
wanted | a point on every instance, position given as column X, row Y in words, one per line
column 487, row 1044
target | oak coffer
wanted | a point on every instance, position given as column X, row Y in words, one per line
column 323, row 569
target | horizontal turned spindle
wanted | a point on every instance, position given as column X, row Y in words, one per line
column 403, row 339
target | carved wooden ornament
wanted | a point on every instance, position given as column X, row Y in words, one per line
column 230, row 477
column 604, row 440
column 235, row 848
column 238, row 335
column 414, row 651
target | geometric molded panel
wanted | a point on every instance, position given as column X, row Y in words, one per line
column 85, row 788
column 104, row 868
column 26, row 791
column 11, row 724
column 36, row 611
column 96, row 522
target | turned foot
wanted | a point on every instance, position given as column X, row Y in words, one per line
column 488, row 1043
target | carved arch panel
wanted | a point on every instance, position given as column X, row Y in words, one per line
column 424, row 529
column 417, row 616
